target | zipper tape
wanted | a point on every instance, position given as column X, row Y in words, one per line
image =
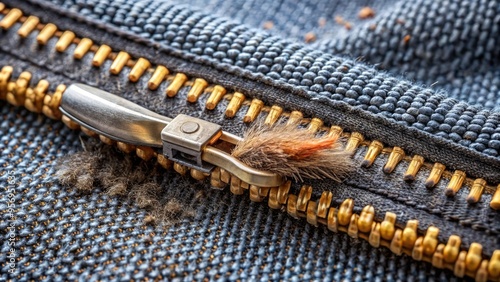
column 400, row 240
column 84, row 46
column 363, row 225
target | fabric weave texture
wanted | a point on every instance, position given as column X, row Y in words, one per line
column 61, row 234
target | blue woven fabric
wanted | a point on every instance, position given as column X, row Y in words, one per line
column 60, row 234
column 221, row 41
column 63, row 235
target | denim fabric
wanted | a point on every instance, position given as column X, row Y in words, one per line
column 63, row 235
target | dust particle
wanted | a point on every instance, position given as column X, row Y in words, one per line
column 339, row 20
column 310, row 37
column 321, row 22
column 366, row 13
column 406, row 39
column 268, row 25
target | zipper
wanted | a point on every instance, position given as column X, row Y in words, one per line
column 399, row 238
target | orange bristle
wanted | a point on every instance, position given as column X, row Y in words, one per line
column 291, row 151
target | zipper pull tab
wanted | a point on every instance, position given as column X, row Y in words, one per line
column 113, row 116
column 187, row 140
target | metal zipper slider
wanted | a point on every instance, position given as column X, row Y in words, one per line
column 187, row 140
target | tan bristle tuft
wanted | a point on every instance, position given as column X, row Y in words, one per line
column 295, row 152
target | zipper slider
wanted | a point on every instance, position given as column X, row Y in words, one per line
column 189, row 141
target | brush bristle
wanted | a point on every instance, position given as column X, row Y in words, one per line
column 290, row 151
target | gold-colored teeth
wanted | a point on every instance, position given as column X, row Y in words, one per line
column 16, row 94
column 235, row 104
column 332, row 220
column 456, row 182
column 51, row 103
column 345, row 212
column 396, row 156
column 161, row 159
column 386, row 233
column 495, row 200
column 430, row 241
column 482, row 272
column 494, row 266
column 396, row 245
column 311, row 214
column 353, row 142
column 305, row 194
column 374, row 150
column 459, row 269
column 236, row 187
column 140, row 67
column 127, row 148
column 70, row 123
column 107, row 140
column 65, row 40
column 364, row 225
column 258, row 194
column 314, row 125
column 215, row 97
column 277, row 195
column 89, row 132
column 352, row 228
column 387, row 227
column 253, row 111
column 452, row 249
column 324, row 204
column 35, row 97
column 158, row 77
column 437, row 257
column 418, row 249
column 11, row 18
column 47, row 32
column 217, row 176
column 28, row 26
column 365, row 219
column 5, row 76
column 435, row 175
column 145, row 153
column 415, row 165
column 119, row 62
column 198, row 175
column 410, row 234
column 82, row 48
column 182, row 170
column 374, row 237
column 291, row 206
column 176, row 84
column 335, row 131
column 295, row 117
column 476, row 191
column 101, row 55
column 196, row 90
column 273, row 115
column 474, row 257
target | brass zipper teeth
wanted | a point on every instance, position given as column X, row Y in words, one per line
column 198, row 87
column 399, row 239
column 386, row 233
